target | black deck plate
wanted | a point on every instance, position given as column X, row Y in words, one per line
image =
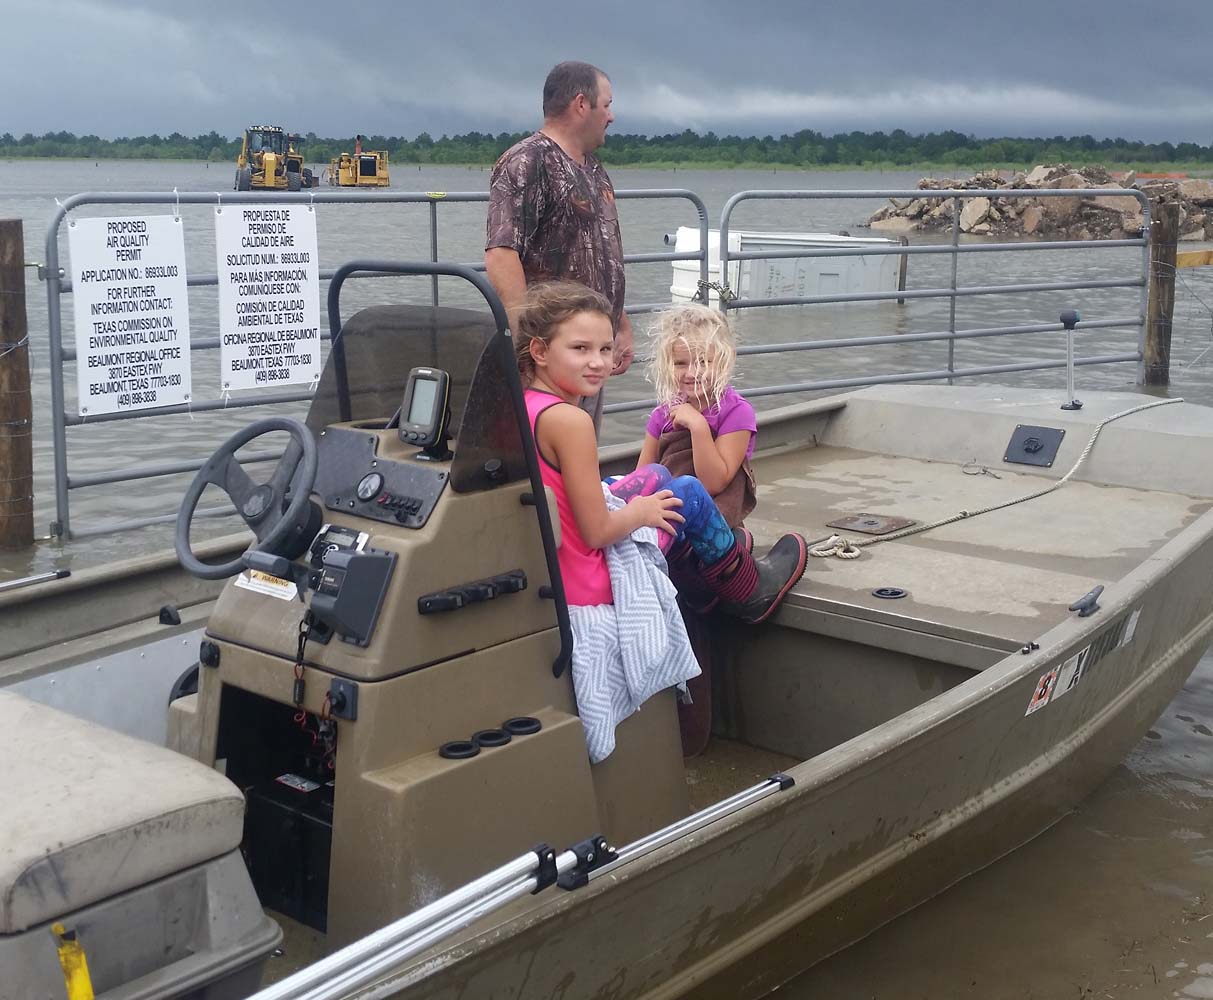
column 1031, row 445
column 871, row 524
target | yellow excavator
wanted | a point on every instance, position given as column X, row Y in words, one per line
column 365, row 168
column 269, row 160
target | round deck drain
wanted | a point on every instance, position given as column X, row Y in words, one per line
column 523, row 725
column 458, row 749
column 889, row 593
column 491, row 738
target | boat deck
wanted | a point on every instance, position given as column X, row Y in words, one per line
column 995, row 580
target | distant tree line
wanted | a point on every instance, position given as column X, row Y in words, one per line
column 805, row 149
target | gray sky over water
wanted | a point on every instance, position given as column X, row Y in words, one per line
column 1114, row 68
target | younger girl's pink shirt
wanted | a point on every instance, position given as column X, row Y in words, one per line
column 583, row 569
column 732, row 413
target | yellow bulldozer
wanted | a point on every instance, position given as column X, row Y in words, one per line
column 269, row 160
column 365, row 168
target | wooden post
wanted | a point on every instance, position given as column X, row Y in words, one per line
column 904, row 259
column 1160, row 302
column 16, row 411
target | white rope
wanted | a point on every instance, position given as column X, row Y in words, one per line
column 835, row 545
column 846, row 548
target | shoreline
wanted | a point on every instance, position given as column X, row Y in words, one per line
column 1192, row 169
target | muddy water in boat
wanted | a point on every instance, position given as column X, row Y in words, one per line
column 1111, row 901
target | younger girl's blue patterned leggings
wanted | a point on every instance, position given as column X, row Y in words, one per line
column 704, row 526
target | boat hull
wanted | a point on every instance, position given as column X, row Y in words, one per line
column 872, row 827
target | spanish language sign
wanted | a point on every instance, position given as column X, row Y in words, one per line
column 132, row 313
column 269, row 296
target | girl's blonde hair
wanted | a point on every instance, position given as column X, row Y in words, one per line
column 545, row 307
column 703, row 332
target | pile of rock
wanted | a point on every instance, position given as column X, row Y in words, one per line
column 1052, row 217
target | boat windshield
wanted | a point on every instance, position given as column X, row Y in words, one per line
column 365, row 375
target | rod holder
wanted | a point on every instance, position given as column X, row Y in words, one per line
column 1069, row 319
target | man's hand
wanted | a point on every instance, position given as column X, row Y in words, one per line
column 624, row 351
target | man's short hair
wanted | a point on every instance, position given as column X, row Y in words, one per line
column 565, row 82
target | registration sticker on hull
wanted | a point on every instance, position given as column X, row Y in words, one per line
column 1043, row 691
column 1131, row 627
column 1071, row 673
column 263, row 583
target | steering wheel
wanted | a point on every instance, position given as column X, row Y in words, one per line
column 260, row 506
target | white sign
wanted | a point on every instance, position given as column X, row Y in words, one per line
column 132, row 313
column 263, row 583
column 269, row 296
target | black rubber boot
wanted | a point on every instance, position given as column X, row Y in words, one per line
column 687, row 573
column 753, row 592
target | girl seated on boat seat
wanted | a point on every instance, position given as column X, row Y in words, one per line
column 702, row 427
column 564, row 344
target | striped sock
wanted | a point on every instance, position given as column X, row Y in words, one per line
column 733, row 578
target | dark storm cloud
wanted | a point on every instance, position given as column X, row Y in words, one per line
column 1031, row 68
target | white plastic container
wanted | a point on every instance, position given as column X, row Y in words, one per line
column 786, row 276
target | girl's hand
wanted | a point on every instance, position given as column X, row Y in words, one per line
column 659, row 511
column 685, row 415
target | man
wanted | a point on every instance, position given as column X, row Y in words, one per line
column 552, row 206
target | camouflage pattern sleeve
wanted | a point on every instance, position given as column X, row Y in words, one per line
column 516, row 201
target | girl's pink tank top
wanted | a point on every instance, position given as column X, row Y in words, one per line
column 584, row 570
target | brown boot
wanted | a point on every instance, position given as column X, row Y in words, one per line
column 751, row 589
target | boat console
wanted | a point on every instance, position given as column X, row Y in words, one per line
column 385, row 676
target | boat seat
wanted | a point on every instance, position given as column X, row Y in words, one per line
column 89, row 812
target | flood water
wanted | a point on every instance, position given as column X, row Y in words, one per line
column 1115, row 900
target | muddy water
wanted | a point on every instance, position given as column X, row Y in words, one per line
column 1114, row 901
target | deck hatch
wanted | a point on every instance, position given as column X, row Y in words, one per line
column 1032, row 445
column 871, row 524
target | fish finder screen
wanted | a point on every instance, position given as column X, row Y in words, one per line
column 424, row 390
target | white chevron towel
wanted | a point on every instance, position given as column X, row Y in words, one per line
column 624, row 653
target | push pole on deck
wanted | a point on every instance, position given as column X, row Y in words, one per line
column 16, row 410
column 1160, row 300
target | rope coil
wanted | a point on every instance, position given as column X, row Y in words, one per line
column 835, row 545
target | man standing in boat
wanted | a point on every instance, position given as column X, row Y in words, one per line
column 552, row 206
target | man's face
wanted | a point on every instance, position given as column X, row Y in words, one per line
column 598, row 118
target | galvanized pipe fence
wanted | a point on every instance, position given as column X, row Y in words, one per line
column 730, row 299
column 57, row 285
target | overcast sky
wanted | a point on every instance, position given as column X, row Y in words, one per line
column 1034, row 67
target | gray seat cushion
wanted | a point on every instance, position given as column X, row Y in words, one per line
column 88, row 813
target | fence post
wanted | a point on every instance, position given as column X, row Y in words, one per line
column 1160, row 301
column 16, row 411
column 903, row 260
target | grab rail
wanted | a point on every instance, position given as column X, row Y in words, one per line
column 368, row 959
column 57, row 285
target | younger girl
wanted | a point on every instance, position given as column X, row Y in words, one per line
column 564, row 346
column 702, row 426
